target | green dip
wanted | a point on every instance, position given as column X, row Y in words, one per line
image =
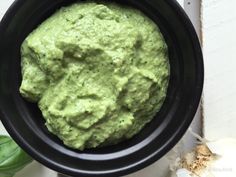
column 98, row 71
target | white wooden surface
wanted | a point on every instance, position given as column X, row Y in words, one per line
column 158, row 169
column 219, row 46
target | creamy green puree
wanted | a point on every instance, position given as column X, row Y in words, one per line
column 98, row 71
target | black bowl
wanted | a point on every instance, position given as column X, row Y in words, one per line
column 25, row 123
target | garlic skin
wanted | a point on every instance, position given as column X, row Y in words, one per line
column 225, row 165
column 219, row 160
column 183, row 173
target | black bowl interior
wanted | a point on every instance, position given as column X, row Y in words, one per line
column 24, row 121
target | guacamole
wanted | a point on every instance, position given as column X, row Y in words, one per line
column 98, row 71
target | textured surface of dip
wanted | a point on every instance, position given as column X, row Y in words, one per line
column 99, row 73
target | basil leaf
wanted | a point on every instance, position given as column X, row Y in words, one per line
column 12, row 157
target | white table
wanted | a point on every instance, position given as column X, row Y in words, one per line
column 219, row 46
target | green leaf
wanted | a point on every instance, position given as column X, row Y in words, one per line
column 12, row 157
